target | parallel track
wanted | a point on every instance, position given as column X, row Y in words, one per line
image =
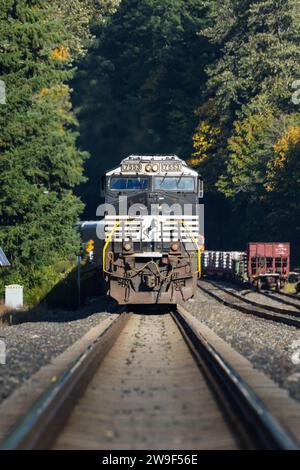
column 244, row 305
column 233, row 407
column 282, row 298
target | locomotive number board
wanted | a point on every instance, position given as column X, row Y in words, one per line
column 132, row 167
column 171, row 166
column 165, row 167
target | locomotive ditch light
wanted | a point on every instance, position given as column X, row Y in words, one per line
column 127, row 246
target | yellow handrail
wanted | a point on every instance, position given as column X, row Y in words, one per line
column 109, row 238
column 197, row 246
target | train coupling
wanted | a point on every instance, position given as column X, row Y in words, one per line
column 149, row 280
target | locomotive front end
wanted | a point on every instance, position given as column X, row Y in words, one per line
column 153, row 240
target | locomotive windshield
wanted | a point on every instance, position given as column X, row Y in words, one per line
column 126, row 184
column 174, row 183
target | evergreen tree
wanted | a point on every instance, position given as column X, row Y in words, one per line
column 250, row 86
column 76, row 16
column 137, row 89
column 40, row 164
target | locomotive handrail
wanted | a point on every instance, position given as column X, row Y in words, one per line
column 196, row 245
column 184, row 223
column 109, row 238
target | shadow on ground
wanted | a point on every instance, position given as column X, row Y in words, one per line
column 62, row 304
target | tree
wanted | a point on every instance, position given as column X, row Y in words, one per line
column 250, row 83
column 76, row 16
column 40, row 163
column 259, row 43
column 137, row 89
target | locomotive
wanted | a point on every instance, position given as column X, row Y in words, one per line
column 148, row 244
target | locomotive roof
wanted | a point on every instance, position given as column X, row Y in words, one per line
column 144, row 159
column 151, row 158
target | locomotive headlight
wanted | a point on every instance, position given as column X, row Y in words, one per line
column 155, row 168
column 127, row 246
column 148, row 168
column 175, row 246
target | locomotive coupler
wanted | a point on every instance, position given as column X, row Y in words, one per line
column 149, row 280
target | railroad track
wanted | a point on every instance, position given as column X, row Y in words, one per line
column 150, row 381
column 282, row 297
column 241, row 303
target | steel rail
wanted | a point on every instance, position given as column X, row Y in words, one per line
column 264, row 312
column 280, row 297
column 257, row 424
column 41, row 424
column 282, row 311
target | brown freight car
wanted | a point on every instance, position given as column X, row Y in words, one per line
column 268, row 264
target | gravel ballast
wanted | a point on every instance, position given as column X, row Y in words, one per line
column 271, row 347
column 31, row 345
column 259, row 298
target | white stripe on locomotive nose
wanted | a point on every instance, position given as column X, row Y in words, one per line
column 154, row 228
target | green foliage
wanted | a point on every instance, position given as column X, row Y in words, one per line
column 250, row 83
column 206, row 79
column 260, row 54
column 40, row 163
column 138, row 86
column 76, row 16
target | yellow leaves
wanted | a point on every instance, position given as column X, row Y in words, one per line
column 44, row 92
column 204, row 139
column 55, row 92
column 269, row 187
column 58, row 96
column 192, row 162
column 282, row 148
column 60, row 53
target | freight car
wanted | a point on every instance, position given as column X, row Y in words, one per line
column 268, row 264
column 231, row 265
column 148, row 245
column 262, row 265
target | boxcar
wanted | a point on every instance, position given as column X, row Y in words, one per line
column 268, row 264
column 262, row 265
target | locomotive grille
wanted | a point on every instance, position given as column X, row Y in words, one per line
column 153, row 228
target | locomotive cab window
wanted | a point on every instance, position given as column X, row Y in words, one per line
column 174, row 183
column 128, row 184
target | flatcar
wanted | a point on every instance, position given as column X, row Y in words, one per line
column 149, row 242
column 263, row 265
